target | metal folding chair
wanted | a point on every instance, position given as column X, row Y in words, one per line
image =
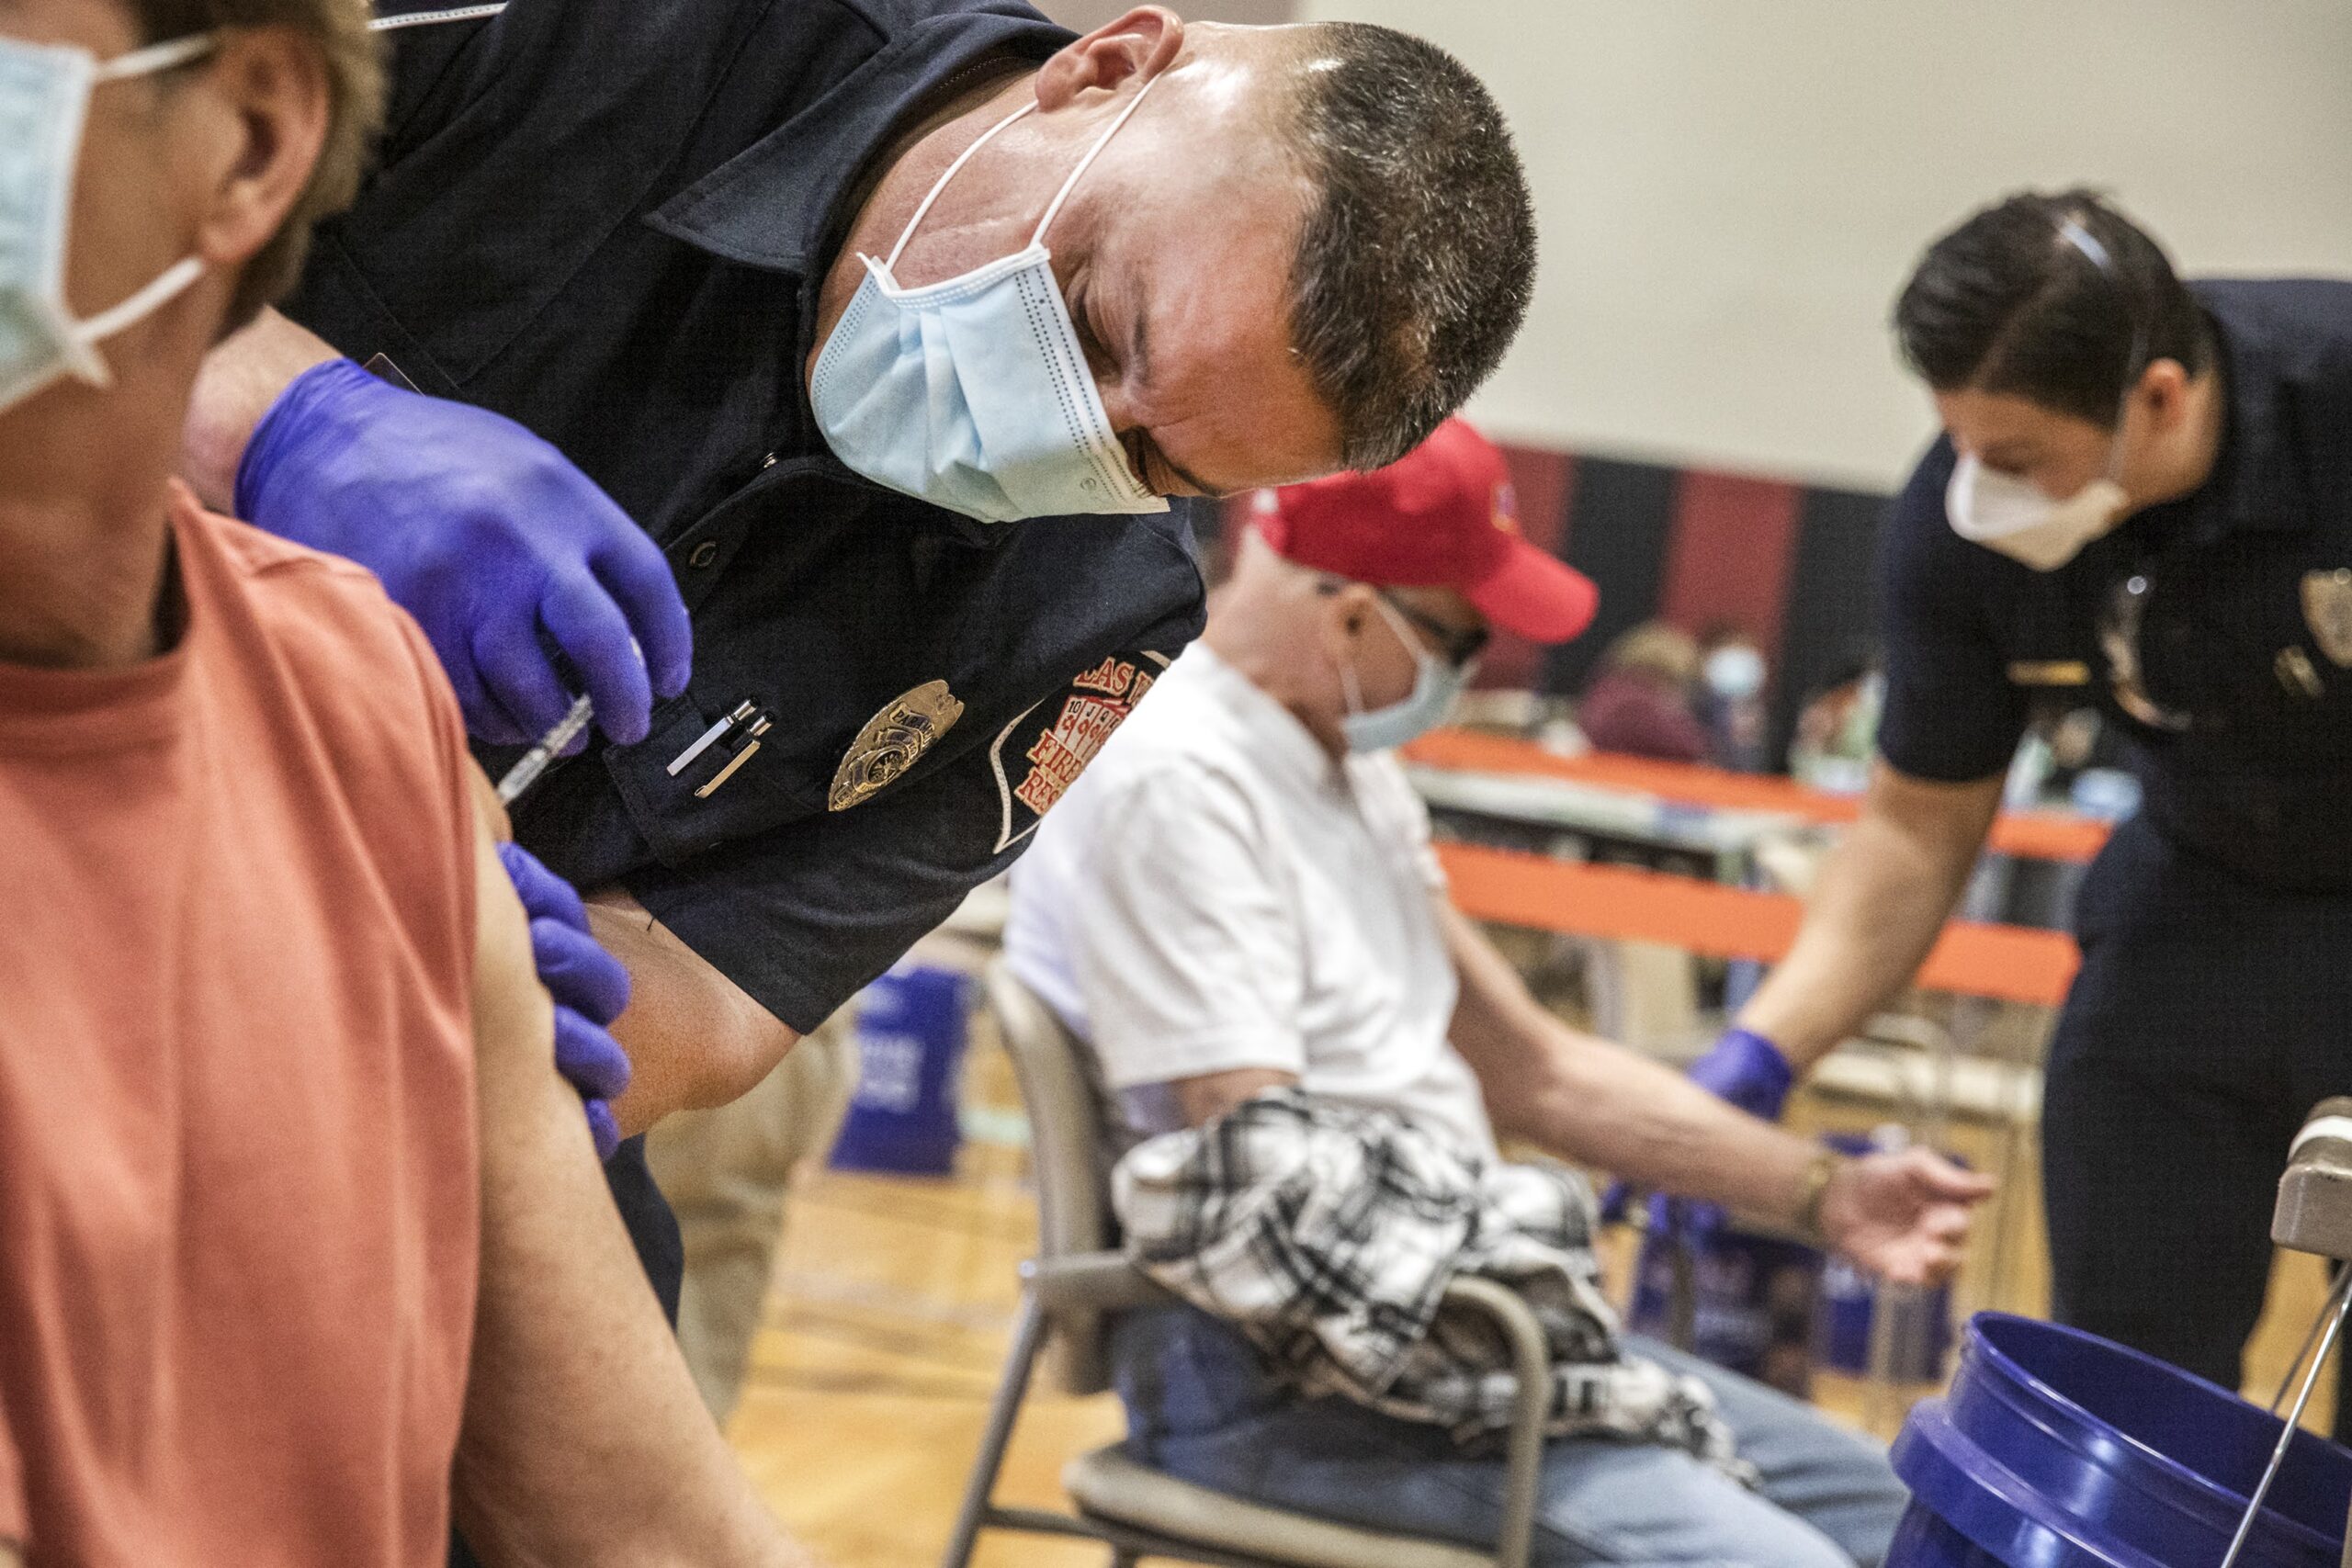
column 1078, row 1282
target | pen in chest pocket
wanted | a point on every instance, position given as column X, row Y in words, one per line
column 747, row 723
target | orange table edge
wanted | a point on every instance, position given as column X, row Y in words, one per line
column 2031, row 835
column 2010, row 964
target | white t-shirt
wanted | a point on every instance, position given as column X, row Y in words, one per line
column 1216, row 892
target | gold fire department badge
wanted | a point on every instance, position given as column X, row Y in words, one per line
column 2327, row 610
column 892, row 741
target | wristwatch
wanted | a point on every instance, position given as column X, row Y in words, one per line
column 1827, row 1163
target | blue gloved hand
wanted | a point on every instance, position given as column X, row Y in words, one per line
column 485, row 534
column 588, row 983
column 1747, row 1070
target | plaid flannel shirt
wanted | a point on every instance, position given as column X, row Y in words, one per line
column 1328, row 1234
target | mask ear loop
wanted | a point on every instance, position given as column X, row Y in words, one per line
column 891, row 262
column 1422, row 657
column 168, row 286
column 156, row 57
column 1351, row 687
column 82, row 358
column 1054, row 210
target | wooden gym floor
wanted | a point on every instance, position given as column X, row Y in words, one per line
column 887, row 1324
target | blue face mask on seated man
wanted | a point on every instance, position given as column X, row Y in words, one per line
column 974, row 393
column 44, row 97
column 1436, row 685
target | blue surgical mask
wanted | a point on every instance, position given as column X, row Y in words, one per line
column 1436, row 685
column 44, row 98
column 974, row 393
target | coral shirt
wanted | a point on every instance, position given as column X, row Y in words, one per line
column 238, row 1210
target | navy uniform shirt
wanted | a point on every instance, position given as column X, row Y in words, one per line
column 609, row 221
column 2234, row 685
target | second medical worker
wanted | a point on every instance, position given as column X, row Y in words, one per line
column 2143, row 499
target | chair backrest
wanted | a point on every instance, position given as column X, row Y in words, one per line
column 1068, row 1151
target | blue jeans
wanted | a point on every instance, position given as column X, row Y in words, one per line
column 1201, row 1406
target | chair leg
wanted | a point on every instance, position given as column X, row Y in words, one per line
column 1120, row 1557
column 1028, row 1334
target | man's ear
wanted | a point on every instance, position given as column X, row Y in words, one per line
column 1137, row 47
column 2165, row 386
column 255, row 120
column 1351, row 608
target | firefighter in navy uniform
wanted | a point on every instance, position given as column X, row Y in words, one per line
column 918, row 509
column 2142, row 497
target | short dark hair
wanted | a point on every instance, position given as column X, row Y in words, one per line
column 1418, row 258
column 355, row 105
column 2008, row 302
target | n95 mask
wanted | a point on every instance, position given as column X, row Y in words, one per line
column 974, row 393
column 2004, row 513
column 44, row 101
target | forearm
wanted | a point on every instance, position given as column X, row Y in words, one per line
column 694, row 1038
column 1604, row 1105
column 241, row 378
column 1879, row 905
column 585, row 1443
column 1599, row 1104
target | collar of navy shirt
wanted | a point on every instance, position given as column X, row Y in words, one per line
column 785, row 203
column 2254, row 486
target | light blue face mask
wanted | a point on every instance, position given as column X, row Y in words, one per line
column 974, row 393
column 44, row 98
column 1436, row 685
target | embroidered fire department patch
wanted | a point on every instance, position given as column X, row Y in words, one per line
column 1040, row 754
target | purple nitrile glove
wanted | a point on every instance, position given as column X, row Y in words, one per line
column 484, row 533
column 1747, row 1070
column 588, row 983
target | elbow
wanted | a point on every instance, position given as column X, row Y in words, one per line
column 740, row 1054
column 1542, row 1089
column 1522, row 1107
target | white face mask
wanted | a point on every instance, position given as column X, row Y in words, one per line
column 1735, row 671
column 974, row 393
column 2004, row 513
column 44, row 97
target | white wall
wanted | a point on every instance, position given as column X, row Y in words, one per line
column 1731, row 191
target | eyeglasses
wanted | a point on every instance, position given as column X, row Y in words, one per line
column 1457, row 645
column 2118, row 639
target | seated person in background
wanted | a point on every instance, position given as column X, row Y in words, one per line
column 1238, row 908
column 298, row 1226
column 1729, row 698
column 1638, row 702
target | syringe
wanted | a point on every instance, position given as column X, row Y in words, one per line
column 533, row 763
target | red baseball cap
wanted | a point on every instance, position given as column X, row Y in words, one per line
column 1442, row 516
